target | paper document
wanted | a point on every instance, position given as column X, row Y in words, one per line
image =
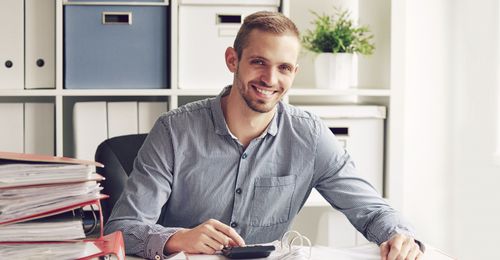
column 24, row 202
column 18, row 174
column 48, row 250
column 55, row 230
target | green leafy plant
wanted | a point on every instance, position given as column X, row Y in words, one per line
column 338, row 34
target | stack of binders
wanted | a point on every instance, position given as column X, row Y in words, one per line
column 41, row 209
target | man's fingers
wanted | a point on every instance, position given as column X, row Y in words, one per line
column 206, row 238
column 219, row 237
column 384, row 250
column 395, row 246
column 406, row 248
column 400, row 246
column 415, row 250
column 232, row 243
column 228, row 231
column 205, row 249
column 235, row 237
column 212, row 243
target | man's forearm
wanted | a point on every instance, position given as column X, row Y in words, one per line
column 143, row 240
column 385, row 224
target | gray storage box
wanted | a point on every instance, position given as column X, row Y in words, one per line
column 114, row 47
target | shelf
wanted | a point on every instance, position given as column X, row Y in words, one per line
column 116, row 92
column 186, row 92
column 198, row 92
column 118, row 3
column 27, row 92
column 140, row 92
column 339, row 92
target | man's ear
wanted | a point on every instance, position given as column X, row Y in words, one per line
column 231, row 59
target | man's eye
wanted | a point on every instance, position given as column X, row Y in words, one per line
column 286, row 68
column 257, row 62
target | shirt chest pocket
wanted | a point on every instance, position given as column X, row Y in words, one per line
column 272, row 200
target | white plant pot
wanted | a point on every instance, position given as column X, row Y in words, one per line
column 333, row 70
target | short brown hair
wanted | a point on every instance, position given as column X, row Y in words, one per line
column 272, row 22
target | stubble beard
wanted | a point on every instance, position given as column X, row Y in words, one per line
column 258, row 106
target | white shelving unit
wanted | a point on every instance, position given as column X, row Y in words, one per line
column 305, row 93
column 379, row 77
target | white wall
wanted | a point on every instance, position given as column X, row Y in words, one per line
column 476, row 177
column 445, row 78
column 426, row 131
column 451, row 100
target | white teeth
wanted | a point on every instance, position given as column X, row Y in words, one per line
column 265, row 92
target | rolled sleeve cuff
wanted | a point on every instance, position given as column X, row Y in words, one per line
column 156, row 244
column 407, row 232
column 400, row 230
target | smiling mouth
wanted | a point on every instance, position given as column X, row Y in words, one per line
column 264, row 92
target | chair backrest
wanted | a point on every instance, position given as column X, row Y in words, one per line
column 118, row 155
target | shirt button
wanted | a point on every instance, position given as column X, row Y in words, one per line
column 157, row 257
column 244, row 156
column 238, row 190
column 234, row 224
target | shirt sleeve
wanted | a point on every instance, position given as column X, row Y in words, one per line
column 146, row 191
column 338, row 182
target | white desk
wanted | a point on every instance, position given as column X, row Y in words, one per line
column 366, row 252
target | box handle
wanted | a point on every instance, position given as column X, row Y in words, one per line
column 342, row 134
column 116, row 18
column 340, row 130
column 228, row 18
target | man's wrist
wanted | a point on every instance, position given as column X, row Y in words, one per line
column 170, row 245
column 420, row 244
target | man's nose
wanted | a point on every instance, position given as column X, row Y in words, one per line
column 269, row 77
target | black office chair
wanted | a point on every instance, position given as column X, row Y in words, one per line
column 117, row 154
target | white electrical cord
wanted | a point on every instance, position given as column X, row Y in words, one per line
column 295, row 253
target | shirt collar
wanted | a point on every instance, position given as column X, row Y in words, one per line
column 219, row 121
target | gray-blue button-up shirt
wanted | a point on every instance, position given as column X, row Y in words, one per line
column 191, row 168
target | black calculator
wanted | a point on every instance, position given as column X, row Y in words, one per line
column 244, row 252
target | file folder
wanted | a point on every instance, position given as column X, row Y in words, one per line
column 111, row 244
column 90, row 128
column 11, row 44
column 122, row 118
column 39, row 128
column 149, row 113
column 39, row 43
column 11, row 126
column 103, row 246
column 45, row 159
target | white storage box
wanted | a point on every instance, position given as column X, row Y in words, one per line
column 360, row 129
column 206, row 29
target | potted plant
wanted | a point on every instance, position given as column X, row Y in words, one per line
column 336, row 38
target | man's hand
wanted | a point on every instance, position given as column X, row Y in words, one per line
column 400, row 246
column 206, row 238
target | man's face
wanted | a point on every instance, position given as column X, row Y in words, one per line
column 266, row 69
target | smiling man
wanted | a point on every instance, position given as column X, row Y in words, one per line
column 237, row 168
